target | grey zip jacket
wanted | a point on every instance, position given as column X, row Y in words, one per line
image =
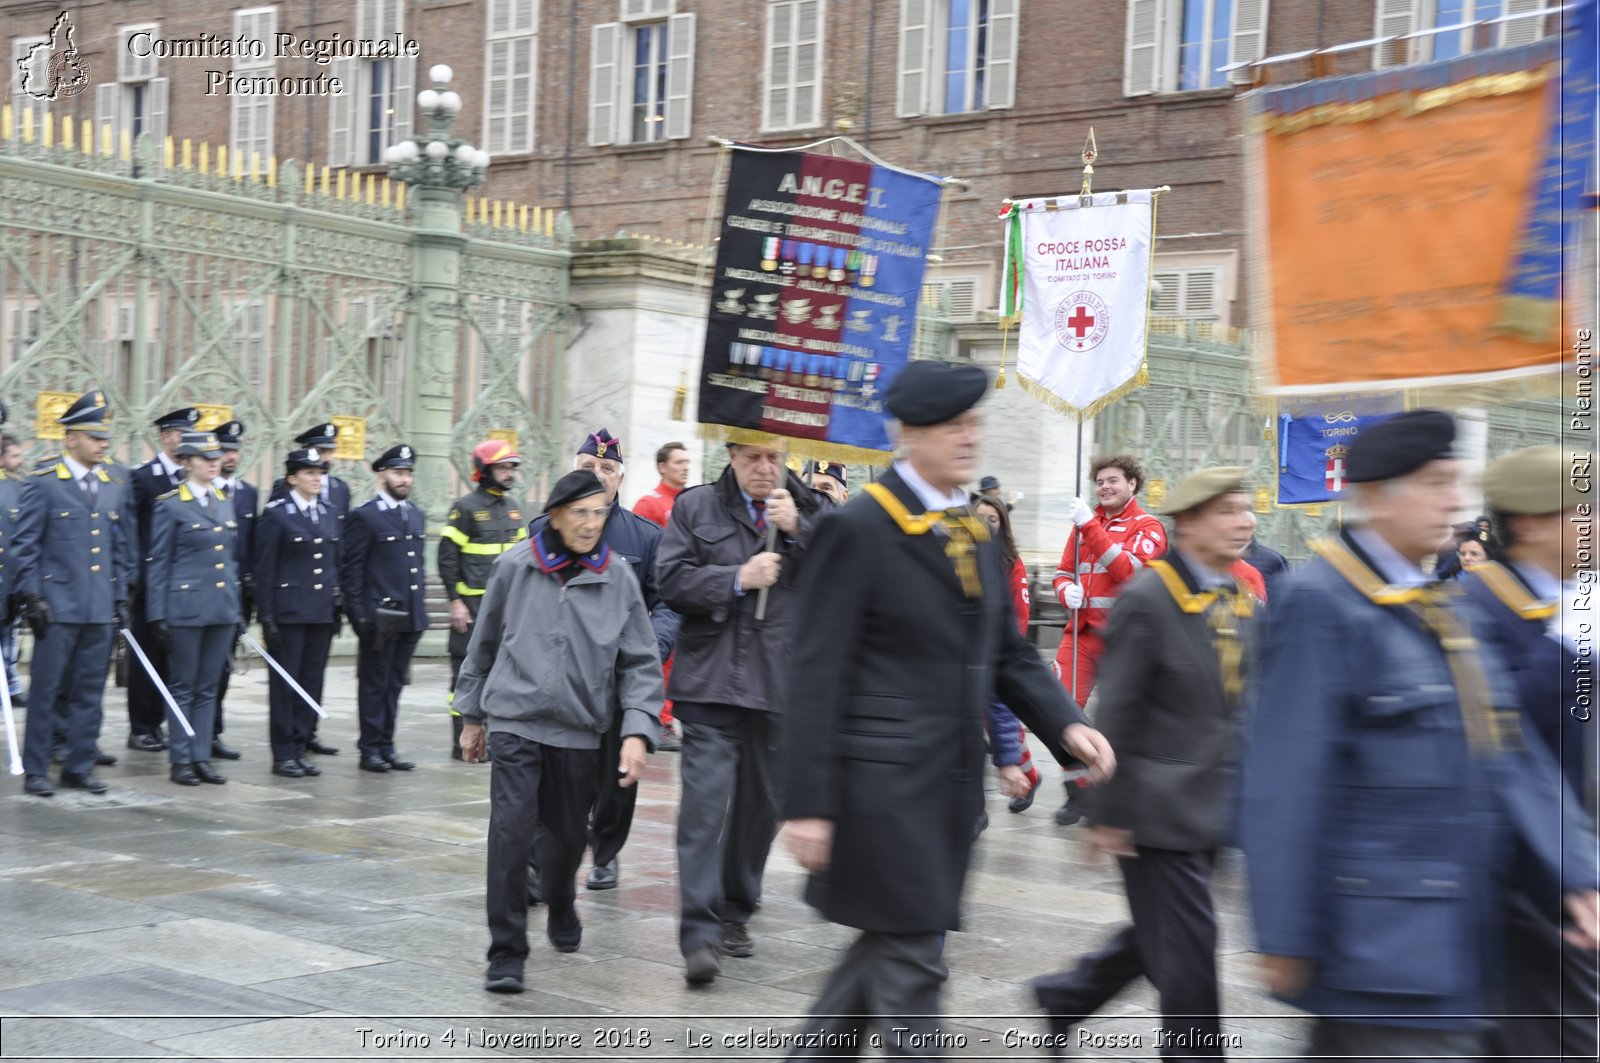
column 548, row 661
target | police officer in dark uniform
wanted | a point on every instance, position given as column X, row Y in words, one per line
column 385, row 589
column 192, row 600
column 10, row 511
column 483, row 524
column 336, row 497
column 162, row 473
column 74, row 556
column 246, row 499
column 296, row 568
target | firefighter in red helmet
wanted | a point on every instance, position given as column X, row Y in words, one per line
column 482, row 525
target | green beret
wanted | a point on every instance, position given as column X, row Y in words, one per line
column 1198, row 488
column 1535, row 480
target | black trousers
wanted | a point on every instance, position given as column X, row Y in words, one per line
column 147, row 709
column 533, row 783
column 892, row 980
column 303, row 651
column 380, row 676
column 1173, row 942
column 727, row 818
column 611, row 818
column 1549, row 978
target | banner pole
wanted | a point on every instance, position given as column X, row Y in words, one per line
column 1077, row 544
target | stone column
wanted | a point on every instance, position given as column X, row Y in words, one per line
column 433, row 341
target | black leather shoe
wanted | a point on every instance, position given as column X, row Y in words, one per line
column 184, row 775
column 504, row 976
column 289, row 769
column 203, row 769
column 87, row 781
column 702, row 965
column 145, row 743
column 38, row 786
column 1067, row 815
column 374, row 763
column 308, row 768
column 102, row 759
column 736, row 940
column 398, row 764
column 1025, row 802
column 321, row 749
column 564, row 930
column 670, row 742
column 602, row 876
column 223, row 752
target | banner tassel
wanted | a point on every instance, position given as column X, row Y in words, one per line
column 680, row 397
column 1005, row 339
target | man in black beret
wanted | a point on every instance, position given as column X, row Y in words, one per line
column 544, row 720
column 1388, row 784
column 882, row 758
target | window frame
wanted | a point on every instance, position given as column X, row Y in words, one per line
column 521, row 135
column 794, row 43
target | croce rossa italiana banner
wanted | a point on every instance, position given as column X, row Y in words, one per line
column 813, row 301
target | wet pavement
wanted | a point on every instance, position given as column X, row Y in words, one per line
column 341, row 917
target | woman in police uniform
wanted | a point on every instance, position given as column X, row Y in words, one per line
column 193, row 600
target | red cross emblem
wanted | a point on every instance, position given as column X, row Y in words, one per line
column 1334, row 476
column 1082, row 321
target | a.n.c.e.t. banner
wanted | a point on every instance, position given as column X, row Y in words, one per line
column 813, row 300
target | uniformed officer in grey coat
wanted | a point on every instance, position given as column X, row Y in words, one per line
column 192, row 600
column 75, row 556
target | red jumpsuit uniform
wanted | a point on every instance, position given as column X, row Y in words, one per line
column 1114, row 549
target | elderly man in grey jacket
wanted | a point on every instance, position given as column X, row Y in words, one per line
column 561, row 630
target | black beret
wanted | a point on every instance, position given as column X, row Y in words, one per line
column 1401, row 444
column 579, row 483
column 309, row 458
column 399, row 456
column 935, row 392
column 187, row 417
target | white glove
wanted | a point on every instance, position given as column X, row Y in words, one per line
column 1072, row 595
column 1564, row 626
column 1080, row 512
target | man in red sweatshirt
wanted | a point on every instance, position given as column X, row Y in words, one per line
column 1109, row 544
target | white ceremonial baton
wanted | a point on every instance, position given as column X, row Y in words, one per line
column 11, row 719
column 150, row 670
column 285, row 676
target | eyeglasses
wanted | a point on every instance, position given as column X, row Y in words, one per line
column 588, row 514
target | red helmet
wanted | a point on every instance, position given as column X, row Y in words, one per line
column 493, row 452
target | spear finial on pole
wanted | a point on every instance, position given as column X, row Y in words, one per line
column 1090, row 153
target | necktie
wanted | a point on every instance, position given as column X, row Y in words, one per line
column 1223, row 616
column 761, row 513
column 311, row 511
column 91, row 489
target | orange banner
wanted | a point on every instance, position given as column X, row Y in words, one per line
column 1390, row 234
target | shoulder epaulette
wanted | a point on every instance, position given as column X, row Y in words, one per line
column 44, row 470
column 276, row 502
column 168, row 494
column 1511, row 593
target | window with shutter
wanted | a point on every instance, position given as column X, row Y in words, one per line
column 1522, row 30
column 30, row 74
column 605, row 84
column 375, row 108
column 793, row 82
column 1459, row 27
column 250, row 125
column 1395, row 18
column 952, row 298
column 509, row 73
column 1186, row 294
column 680, row 75
column 915, row 45
column 132, row 66
column 633, row 10
column 1188, row 45
column 342, row 113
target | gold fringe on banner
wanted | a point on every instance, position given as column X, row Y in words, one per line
column 1530, row 318
column 819, row 449
column 1060, row 405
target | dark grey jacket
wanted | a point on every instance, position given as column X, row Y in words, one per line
column 724, row 656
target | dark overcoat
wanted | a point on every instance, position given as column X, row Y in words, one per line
column 891, row 667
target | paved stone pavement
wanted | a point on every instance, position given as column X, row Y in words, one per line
column 342, row 918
